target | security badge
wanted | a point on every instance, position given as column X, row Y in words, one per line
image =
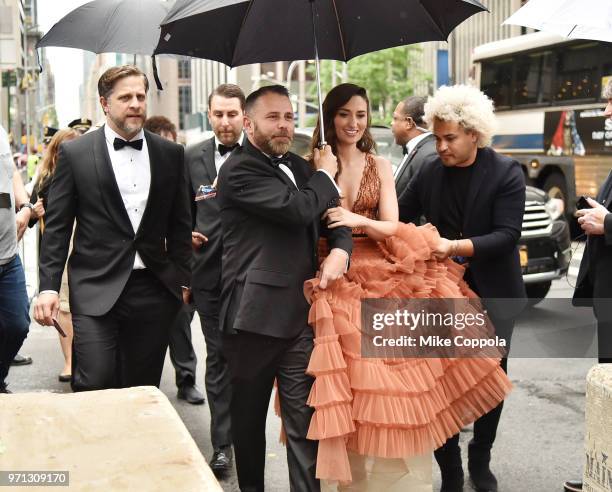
column 206, row 192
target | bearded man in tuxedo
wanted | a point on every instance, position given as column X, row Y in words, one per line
column 126, row 189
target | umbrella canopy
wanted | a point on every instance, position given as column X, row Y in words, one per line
column 110, row 26
column 239, row 32
column 580, row 19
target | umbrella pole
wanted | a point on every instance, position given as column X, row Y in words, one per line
column 322, row 141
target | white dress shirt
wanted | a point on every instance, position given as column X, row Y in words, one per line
column 410, row 146
column 132, row 171
column 220, row 159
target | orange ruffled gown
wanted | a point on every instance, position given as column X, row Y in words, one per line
column 388, row 408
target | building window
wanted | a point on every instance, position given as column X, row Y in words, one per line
column 184, row 104
column 184, row 69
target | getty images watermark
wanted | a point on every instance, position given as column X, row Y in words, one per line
column 555, row 327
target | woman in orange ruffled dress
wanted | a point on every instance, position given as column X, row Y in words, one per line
column 372, row 415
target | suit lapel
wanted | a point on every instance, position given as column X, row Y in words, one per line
column 404, row 165
column 208, row 158
column 604, row 195
column 157, row 179
column 478, row 175
column 111, row 196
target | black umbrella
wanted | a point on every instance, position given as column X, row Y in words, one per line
column 239, row 32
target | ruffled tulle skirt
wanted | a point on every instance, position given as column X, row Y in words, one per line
column 389, row 408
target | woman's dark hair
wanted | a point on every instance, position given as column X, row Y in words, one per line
column 335, row 99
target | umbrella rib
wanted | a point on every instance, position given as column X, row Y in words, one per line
column 340, row 30
column 433, row 21
column 246, row 14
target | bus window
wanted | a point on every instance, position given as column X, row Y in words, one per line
column 577, row 69
column 496, row 81
column 533, row 78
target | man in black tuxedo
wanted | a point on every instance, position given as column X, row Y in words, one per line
column 271, row 204
column 417, row 143
column 226, row 116
column 476, row 199
column 594, row 282
column 127, row 191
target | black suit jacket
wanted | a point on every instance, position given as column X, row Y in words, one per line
column 270, row 236
column 594, row 282
column 424, row 150
column 84, row 188
column 206, row 216
column 492, row 220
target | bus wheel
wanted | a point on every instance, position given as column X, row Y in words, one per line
column 555, row 186
column 537, row 292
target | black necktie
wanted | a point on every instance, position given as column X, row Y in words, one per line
column 404, row 150
column 224, row 149
column 119, row 143
column 283, row 159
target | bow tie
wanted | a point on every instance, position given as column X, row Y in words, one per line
column 404, row 150
column 119, row 143
column 283, row 159
column 224, row 149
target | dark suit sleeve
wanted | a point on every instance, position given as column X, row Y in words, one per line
column 507, row 216
column 409, row 201
column 59, row 220
column 608, row 229
column 247, row 184
column 179, row 230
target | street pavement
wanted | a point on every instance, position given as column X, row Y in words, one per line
column 540, row 437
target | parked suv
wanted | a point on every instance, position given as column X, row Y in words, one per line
column 544, row 246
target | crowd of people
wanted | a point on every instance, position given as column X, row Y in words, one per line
column 275, row 252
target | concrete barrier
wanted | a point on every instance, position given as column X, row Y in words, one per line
column 113, row 440
column 598, row 431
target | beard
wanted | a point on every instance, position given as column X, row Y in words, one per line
column 268, row 143
column 128, row 127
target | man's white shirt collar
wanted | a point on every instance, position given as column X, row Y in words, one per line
column 411, row 145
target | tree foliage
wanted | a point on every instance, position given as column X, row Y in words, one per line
column 388, row 75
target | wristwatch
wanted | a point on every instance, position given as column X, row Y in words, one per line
column 24, row 205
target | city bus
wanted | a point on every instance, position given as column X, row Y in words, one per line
column 547, row 92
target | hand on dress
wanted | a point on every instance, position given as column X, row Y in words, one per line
column 443, row 249
column 592, row 219
column 341, row 217
column 39, row 210
column 333, row 267
column 197, row 240
column 325, row 160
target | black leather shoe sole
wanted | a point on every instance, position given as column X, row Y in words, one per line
column 190, row 395
column 20, row 360
column 572, row 486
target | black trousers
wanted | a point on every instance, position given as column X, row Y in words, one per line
column 217, row 378
column 126, row 346
column 485, row 428
column 182, row 355
column 255, row 361
column 604, row 341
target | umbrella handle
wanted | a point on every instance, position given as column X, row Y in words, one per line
column 322, row 141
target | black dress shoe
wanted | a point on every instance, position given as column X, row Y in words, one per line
column 452, row 485
column 481, row 476
column 191, row 394
column 221, row 461
column 64, row 378
column 20, row 360
column 4, row 389
column 572, row 486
